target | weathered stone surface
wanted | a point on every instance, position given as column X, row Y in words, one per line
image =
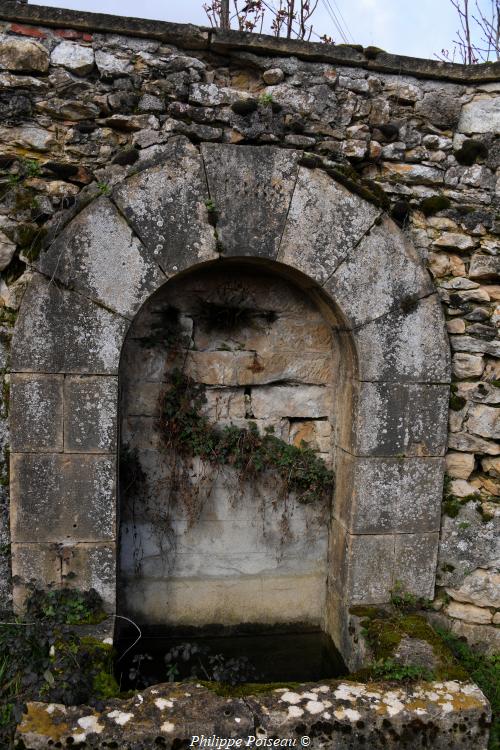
column 415, row 557
column 80, row 565
column 467, row 543
column 324, row 223
column 272, row 76
column 245, row 368
column 414, row 652
column 491, row 466
column 62, row 498
column 399, row 495
column 469, row 613
column 60, row 331
column 23, row 55
column 470, row 344
column 484, row 267
column 482, row 115
column 467, row 365
column 370, row 566
column 461, row 488
column 90, row 414
column 289, row 401
column 481, row 588
column 462, row 441
column 396, row 420
column 455, row 241
column 28, row 136
column 112, row 65
column 74, row 57
column 251, row 188
column 7, row 250
column 405, row 346
column 68, row 109
column 459, row 465
column 378, row 274
column 166, row 206
column 484, row 421
column 440, row 108
column 113, row 266
column 36, row 411
column 332, row 714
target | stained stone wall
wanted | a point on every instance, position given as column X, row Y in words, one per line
column 357, row 169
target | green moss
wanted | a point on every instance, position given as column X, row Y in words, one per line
column 384, row 634
column 470, row 152
column 451, row 506
column 433, row 204
column 367, row 189
column 247, row 688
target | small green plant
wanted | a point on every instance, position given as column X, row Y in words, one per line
column 104, row 188
column 30, row 167
column 266, row 99
column 210, row 205
column 388, row 669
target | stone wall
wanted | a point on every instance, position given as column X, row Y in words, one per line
column 84, row 98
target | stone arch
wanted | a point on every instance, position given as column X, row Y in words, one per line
column 116, row 250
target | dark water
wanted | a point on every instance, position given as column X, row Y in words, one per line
column 284, row 654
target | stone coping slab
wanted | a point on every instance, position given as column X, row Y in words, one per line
column 334, row 714
column 189, row 36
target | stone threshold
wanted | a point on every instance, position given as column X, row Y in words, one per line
column 189, row 36
column 331, row 714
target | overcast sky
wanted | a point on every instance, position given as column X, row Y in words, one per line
column 413, row 27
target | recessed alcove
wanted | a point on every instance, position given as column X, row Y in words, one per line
column 208, row 544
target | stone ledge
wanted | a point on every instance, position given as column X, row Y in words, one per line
column 334, row 714
column 189, row 36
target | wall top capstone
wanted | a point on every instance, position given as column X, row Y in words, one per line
column 233, row 43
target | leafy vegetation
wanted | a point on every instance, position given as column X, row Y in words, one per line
column 484, row 671
column 42, row 657
column 189, row 433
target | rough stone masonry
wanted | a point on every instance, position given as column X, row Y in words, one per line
column 87, row 99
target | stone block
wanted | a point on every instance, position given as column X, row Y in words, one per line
column 481, row 115
column 90, row 414
column 405, row 346
column 459, row 465
column 324, row 224
column 481, row 588
column 306, row 401
column 80, row 565
column 463, row 441
column 389, row 495
column 379, row 274
column 166, row 207
column 396, row 420
column 23, row 55
column 484, row 421
column 251, row 188
column 317, row 434
column 98, row 255
column 245, row 368
column 142, row 400
column 62, row 498
column 61, row 331
column 467, row 365
column 36, row 413
column 415, row 558
column 484, row 267
column 469, row 613
column 370, row 561
column 74, row 57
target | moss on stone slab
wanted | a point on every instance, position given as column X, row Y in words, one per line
column 384, row 630
column 470, row 152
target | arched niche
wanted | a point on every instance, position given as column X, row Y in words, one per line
column 113, row 252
